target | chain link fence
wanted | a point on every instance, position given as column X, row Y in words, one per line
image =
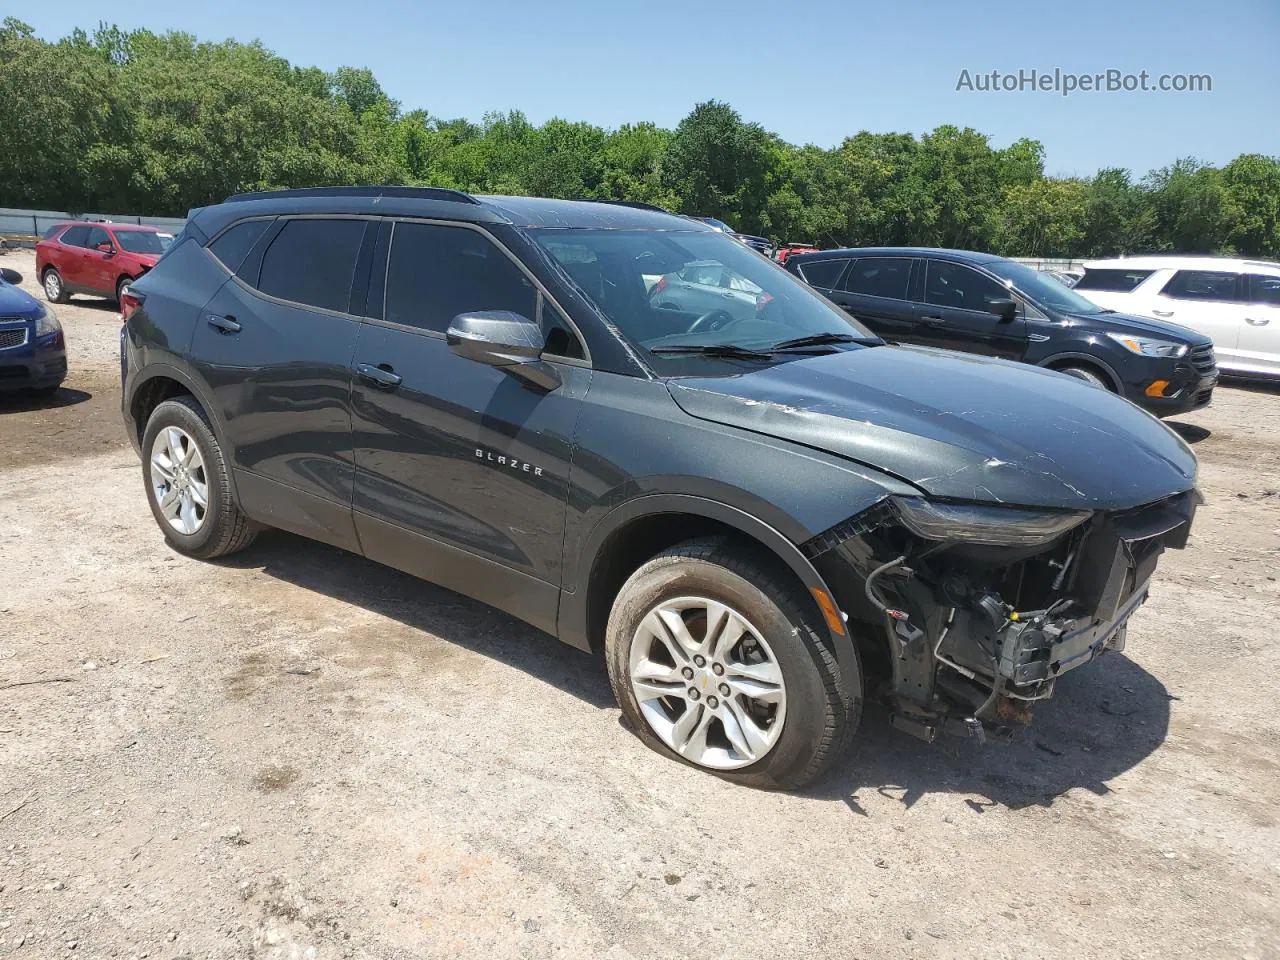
column 22, row 228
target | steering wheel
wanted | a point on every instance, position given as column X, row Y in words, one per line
column 716, row 319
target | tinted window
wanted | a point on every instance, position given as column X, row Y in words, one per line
column 96, row 236
column 707, row 274
column 955, row 285
column 1264, row 289
column 879, row 277
column 140, row 241
column 822, row 273
column 234, row 244
column 435, row 273
column 76, row 236
column 1116, row 280
column 52, row 232
column 312, row 262
column 1202, row 285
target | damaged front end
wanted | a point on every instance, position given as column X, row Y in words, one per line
column 973, row 611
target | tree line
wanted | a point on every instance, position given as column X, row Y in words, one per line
column 154, row 124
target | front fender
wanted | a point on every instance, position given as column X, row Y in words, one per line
column 572, row 624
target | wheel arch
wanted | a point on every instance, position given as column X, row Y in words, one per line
column 1060, row 360
column 638, row 530
column 161, row 382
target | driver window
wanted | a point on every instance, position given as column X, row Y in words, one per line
column 955, row 285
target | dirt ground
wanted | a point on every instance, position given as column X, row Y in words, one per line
column 296, row 753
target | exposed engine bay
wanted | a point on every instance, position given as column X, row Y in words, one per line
column 968, row 622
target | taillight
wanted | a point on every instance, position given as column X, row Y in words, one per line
column 660, row 285
column 129, row 302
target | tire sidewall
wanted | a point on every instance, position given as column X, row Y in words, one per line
column 175, row 413
column 62, row 286
column 782, row 626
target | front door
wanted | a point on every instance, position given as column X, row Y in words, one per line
column 462, row 469
column 96, row 269
column 275, row 346
column 956, row 313
column 1259, row 342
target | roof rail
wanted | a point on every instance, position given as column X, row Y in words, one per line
column 408, row 193
column 634, row 204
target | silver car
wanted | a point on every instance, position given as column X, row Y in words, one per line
column 704, row 287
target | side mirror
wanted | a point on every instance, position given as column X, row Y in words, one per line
column 1006, row 309
column 10, row 276
column 105, row 247
column 505, row 340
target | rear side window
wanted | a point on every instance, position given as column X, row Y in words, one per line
column 1116, row 281
column 52, row 232
column 879, row 277
column 1203, row 285
column 313, row 262
column 707, row 274
column 822, row 273
column 1264, row 289
column 435, row 273
column 76, row 237
column 233, row 245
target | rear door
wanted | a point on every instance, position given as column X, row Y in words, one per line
column 275, row 346
column 1210, row 301
column 955, row 312
column 874, row 290
column 462, row 470
column 1259, row 342
column 68, row 255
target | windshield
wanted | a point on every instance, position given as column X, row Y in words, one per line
column 140, row 241
column 671, row 291
column 1042, row 288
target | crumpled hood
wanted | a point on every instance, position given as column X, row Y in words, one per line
column 957, row 426
column 1150, row 327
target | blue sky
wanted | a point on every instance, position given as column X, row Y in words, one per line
column 814, row 72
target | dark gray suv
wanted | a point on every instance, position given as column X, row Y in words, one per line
column 758, row 517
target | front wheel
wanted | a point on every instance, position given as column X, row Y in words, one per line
column 55, row 291
column 188, row 485
column 122, row 288
column 1087, row 375
column 716, row 660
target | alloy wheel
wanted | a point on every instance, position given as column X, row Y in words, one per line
column 179, row 480
column 707, row 683
column 52, row 285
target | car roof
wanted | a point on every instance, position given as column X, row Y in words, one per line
column 441, row 203
column 940, row 253
column 131, row 227
column 1172, row 262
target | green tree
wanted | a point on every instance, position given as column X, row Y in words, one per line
column 717, row 165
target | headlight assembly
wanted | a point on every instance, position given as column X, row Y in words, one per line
column 1148, row 347
column 46, row 322
column 981, row 524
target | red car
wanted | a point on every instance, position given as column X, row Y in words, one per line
column 101, row 259
column 787, row 249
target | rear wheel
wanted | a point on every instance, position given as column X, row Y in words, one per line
column 188, row 485
column 716, row 660
column 1087, row 374
column 55, row 291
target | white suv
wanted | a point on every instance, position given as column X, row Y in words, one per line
column 1237, row 302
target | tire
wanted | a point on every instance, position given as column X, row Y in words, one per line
column 818, row 711
column 1088, row 375
column 221, row 528
column 52, row 278
column 122, row 288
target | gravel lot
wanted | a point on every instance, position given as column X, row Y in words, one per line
column 297, row 753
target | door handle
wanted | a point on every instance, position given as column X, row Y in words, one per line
column 1257, row 321
column 224, row 325
column 934, row 322
column 381, row 376
column 1162, row 313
